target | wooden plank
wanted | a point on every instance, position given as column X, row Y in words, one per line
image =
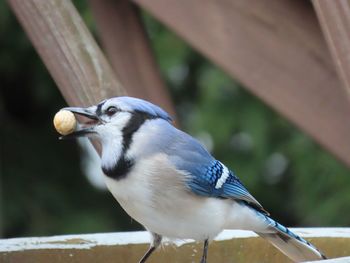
column 336, row 260
column 334, row 17
column 128, row 50
column 68, row 50
column 276, row 49
column 230, row 246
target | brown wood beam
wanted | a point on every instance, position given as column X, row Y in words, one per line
column 334, row 17
column 277, row 50
column 127, row 47
column 127, row 247
column 68, row 50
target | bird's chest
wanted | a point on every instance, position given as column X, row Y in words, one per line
column 132, row 194
column 154, row 194
column 148, row 189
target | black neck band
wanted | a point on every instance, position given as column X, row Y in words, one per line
column 124, row 165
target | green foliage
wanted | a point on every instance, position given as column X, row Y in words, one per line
column 44, row 192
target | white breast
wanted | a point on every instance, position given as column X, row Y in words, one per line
column 154, row 194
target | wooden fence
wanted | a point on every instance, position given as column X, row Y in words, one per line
column 230, row 246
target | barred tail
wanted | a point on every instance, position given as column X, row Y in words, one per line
column 292, row 245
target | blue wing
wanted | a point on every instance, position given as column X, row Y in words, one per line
column 217, row 181
column 207, row 176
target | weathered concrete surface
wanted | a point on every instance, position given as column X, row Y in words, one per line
column 230, row 246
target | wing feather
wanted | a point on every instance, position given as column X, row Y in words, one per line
column 207, row 176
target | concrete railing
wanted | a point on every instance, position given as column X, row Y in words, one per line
column 230, row 246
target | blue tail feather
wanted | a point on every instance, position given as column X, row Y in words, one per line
column 288, row 242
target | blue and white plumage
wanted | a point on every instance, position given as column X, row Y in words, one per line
column 167, row 181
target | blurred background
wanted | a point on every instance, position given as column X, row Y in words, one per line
column 44, row 187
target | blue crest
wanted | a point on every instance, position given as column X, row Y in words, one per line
column 135, row 104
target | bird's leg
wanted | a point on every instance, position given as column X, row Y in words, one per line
column 157, row 239
column 205, row 251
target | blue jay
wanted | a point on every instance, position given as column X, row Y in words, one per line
column 167, row 181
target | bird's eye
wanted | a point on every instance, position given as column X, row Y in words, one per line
column 111, row 110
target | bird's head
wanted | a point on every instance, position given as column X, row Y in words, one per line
column 113, row 117
column 114, row 122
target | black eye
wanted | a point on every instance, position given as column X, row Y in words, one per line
column 111, row 110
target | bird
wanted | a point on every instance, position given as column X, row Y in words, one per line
column 168, row 181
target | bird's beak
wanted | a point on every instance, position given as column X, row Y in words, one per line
column 86, row 128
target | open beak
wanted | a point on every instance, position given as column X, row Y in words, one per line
column 87, row 128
